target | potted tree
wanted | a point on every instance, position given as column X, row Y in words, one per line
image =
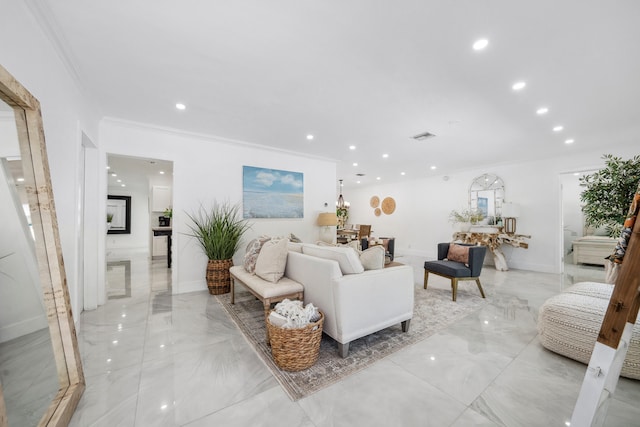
column 218, row 230
column 608, row 192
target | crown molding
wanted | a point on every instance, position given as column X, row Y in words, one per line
column 207, row 137
column 43, row 14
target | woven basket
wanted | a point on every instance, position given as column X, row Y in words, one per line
column 296, row 349
column 218, row 277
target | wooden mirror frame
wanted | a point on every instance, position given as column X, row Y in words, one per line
column 48, row 253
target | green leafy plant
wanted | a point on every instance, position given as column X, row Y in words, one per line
column 466, row 215
column 168, row 213
column 218, row 230
column 109, row 217
column 608, row 193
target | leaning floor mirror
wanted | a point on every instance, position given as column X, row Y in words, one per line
column 41, row 378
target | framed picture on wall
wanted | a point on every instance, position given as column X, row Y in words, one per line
column 119, row 210
column 272, row 193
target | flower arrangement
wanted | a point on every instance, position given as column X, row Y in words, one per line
column 466, row 215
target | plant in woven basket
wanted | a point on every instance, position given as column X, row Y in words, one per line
column 608, row 193
column 218, row 230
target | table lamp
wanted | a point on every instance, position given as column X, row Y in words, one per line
column 326, row 220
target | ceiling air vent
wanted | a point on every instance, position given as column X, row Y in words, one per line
column 360, row 174
column 423, row 136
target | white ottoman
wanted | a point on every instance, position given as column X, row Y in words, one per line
column 569, row 324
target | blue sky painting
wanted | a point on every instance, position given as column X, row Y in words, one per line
column 272, row 193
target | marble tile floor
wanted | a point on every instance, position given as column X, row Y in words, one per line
column 156, row 359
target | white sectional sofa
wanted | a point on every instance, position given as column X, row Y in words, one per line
column 356, row 302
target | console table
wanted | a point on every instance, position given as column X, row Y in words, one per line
column 164, row 231
column 493, row 241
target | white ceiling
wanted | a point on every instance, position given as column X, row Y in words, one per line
column 367, row 73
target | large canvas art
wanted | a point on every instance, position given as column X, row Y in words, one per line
column 272, row 193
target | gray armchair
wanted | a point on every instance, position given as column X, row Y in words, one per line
column 454, row 270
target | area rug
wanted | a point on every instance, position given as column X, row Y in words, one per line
column 433, row 311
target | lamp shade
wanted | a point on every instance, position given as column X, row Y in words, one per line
column 510, row 210
column 327, row 219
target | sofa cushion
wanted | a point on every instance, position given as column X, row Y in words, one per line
column 347, row 258
column 458, row 253
column 272, row 260
column 448, row 268
column 252, row 251
column 373, row 258
column 295, row 247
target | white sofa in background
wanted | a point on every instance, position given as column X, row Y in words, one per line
column 355, row 302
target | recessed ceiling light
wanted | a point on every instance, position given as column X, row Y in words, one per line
column 569, row 141
column 433, row 167
column 118, row 180
column 384, row 156
column 114, row 174
column 352, row 147
column 542, row 110
column 357, row 182
column 309, row 137
column 180, row 106
column 108, row 167
column 378, row 178
column 20, row 179
column 558, row 128
column 402, row 173
column 355, row 164
column 161, row 172
column 480, row 44
column 122, row 185
column 518, row 86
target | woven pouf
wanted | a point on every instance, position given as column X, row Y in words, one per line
column 296, row 349
column 569, row 323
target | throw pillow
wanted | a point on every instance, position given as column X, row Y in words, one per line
column 458, row 253
column 293, row 238
column 347, row 258
column 272, row 260
column 373, row 258
column 251, row 254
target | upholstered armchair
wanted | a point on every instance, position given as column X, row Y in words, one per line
column 460, row 262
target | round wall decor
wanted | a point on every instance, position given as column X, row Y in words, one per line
column 377, row 211
column 388, row 205
column 374, row 202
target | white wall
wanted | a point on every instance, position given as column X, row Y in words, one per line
column 30, row 57
column 208, row 169
column 423, row 206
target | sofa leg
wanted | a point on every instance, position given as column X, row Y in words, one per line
column 426, row 278
column 343, row 349
column 405, row 325
column 454, row 287
column 480, row 287
column 232, row 289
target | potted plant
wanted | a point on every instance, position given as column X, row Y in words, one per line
column 464, row 218
column 109, row 219
column 218, row 230
column 608, row 193
column 343, row 216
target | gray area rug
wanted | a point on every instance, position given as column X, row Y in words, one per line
column 433, row 311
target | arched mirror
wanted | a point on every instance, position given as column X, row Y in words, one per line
column 41, row 378
column 486, row 194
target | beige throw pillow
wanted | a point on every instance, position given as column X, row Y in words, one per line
column 272, row 260
column 373, row 258
column 347, row 258
column 251, row 254
column 458, row 253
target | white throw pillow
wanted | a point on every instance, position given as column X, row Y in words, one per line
column 347, row 258
column 373, row 258
column 272, row 260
